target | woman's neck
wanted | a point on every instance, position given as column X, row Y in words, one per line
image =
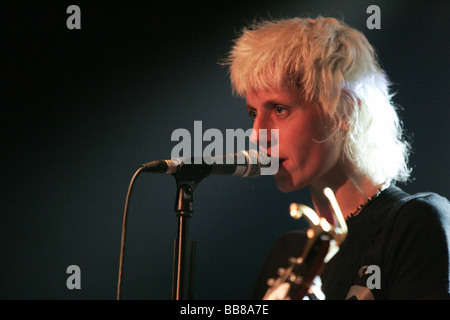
column 350, row 188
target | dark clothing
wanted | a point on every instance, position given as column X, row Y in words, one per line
column 398, row 247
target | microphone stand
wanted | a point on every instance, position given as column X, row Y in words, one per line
column 184, row 248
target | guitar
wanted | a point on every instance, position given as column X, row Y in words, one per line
column 323, row 241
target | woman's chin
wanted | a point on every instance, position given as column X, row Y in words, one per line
column 284, row 183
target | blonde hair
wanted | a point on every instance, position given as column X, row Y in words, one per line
column 334, row 65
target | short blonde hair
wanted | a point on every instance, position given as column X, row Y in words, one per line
column 334, row 65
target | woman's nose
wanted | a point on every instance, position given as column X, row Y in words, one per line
column 260, row 135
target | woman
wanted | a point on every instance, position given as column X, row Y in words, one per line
column 319, row 83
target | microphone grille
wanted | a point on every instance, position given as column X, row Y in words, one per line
column 264, row 159
column 256, row 160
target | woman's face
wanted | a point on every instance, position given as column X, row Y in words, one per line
column 307, row 153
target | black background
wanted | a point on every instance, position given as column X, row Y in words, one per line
column 82, row 109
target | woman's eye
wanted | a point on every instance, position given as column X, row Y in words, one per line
column 252, row 114
column 280, row 110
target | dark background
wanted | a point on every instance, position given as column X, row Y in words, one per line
column 83, row 109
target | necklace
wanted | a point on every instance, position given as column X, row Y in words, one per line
column 365, row 204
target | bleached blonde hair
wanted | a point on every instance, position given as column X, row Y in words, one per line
column 334, row 65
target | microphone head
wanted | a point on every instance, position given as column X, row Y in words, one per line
column 258, row 163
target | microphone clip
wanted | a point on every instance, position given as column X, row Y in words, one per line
column 184, row 202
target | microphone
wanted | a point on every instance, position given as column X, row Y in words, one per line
column 246, row 163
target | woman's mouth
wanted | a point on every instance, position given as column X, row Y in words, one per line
column 279, row 160
column 273, row 159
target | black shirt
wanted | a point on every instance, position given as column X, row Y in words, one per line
column 397, row 247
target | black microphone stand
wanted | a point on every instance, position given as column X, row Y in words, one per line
column 184, row 248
